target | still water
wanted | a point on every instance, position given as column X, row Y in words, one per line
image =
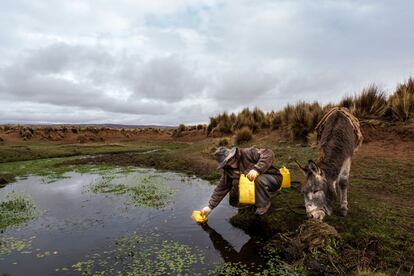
column 80, row 229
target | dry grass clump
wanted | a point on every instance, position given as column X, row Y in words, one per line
column 243, row 135
column 402, row 102
column 178, row 132
column 298, row 121
column 224, row 142
column 26, row 133
column 255, row 120
column 303, row 119
column 229, row 123
column 314, row 234
column 371, row 103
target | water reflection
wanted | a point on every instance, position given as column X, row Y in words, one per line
column 227, row 251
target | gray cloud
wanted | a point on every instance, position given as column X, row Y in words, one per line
column 160, row 62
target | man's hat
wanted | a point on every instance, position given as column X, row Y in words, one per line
column 223, row 155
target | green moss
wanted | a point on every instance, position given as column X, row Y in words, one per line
column 15, row 210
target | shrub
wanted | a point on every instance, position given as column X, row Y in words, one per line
column 224, row 123
column 286, row 116
column 299, row 122
column 370, row 103
column 223, row 142
column 181, row 128
column 275, row 119
column 213, row 123
column 178, row 132
column 402, row 101
column 243, row 135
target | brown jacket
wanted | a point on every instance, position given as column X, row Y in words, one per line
column 249, row 158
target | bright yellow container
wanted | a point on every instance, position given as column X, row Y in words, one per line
column 246, row 191
column 199, row 217
column 286, row 178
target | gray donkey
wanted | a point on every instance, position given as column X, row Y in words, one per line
column 339, row 136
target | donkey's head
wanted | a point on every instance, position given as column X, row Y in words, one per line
column 316, row 190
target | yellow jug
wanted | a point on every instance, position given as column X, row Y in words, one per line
column 199, row 217
column 246, row 191
column 286, row 178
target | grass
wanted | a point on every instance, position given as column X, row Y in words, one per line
column 10, row 152
column 49, row 157
column 49, row 169
column 16, row 209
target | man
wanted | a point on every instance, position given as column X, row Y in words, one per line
column 258, row 166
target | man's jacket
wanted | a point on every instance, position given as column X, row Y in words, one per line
column 249, row 158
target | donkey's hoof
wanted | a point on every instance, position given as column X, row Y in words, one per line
column 343, row 212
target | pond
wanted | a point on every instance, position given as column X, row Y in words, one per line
column 127, row 220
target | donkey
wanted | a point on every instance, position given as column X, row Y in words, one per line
column 339, row 136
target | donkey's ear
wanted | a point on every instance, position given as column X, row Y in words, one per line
column 314, row 168
column 304, row 170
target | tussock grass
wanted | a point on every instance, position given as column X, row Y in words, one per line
column 299, row 120
column 402, row 102
column 243, row 135
column 371, row 103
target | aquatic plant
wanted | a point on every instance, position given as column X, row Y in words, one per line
column 143, row 190
column 12, row 244
column 142, row 255
column 15, row 210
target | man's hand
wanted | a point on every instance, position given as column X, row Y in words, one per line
column 206, row 211
column 252, row 175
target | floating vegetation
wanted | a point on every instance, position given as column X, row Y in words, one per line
column 15, row 210
column 143, row 189
column 138, row 255
column 231, row 269
column 11, row 244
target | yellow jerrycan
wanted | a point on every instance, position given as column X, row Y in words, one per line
column 246, row 191
column 286, row 179
column 199, row 217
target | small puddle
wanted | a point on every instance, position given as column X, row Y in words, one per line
column 105, row 222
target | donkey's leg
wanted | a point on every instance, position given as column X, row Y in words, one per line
column 343, row 186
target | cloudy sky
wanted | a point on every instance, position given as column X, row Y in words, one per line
column 180, row 61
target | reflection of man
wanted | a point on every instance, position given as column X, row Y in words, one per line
column 258, row 166
column 227, row 252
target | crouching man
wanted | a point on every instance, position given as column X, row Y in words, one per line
column 257, row 165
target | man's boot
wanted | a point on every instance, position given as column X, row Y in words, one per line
column 261, row 211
